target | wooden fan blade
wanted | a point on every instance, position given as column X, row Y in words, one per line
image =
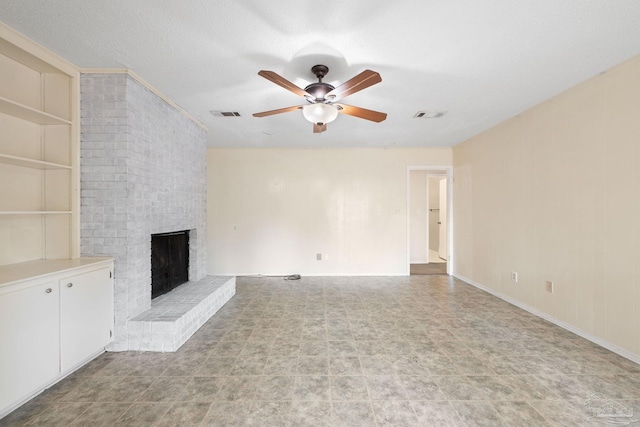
column 281, row 81
column 361, row 81
column 319, row 128
column 363, row 113
column 278, row 111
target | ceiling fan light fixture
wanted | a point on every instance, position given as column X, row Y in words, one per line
column 321, row 96
column 320, row 113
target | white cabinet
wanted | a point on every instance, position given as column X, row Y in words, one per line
column 55, row 315
column 86, row 315
column 29, row 336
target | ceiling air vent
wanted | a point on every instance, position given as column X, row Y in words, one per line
column 429, row 114
column 224, row 113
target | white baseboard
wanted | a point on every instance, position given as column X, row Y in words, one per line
column 569, row 327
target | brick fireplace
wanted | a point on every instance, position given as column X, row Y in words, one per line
column 143, row 172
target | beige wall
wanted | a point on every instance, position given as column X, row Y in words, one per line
column 270, row 211
column 554, row 194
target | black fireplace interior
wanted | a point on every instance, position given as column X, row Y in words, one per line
column 169, row 261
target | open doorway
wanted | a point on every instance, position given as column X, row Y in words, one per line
column 428, row 220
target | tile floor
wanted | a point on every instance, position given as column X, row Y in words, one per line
column 403, row 351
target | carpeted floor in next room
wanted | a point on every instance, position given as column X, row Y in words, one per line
column 358, row 351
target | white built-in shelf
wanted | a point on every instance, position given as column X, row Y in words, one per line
column 35, row 212
column 30, row 163
column 24, row 112
column 39, row 152
column 18, row 54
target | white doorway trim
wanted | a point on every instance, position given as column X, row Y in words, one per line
column 448, row 170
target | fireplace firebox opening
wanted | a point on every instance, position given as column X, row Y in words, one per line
column 169, row 261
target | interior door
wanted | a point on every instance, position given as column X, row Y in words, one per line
column 442, row 245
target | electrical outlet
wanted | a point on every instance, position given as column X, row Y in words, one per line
column 319, row 257
column 549, row 286
column 514, row 276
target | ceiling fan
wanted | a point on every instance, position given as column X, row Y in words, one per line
column 321, row 97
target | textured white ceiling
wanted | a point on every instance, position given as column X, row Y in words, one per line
column 481, row 61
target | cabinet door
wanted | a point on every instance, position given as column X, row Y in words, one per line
column 29, row 346
column 86, row 316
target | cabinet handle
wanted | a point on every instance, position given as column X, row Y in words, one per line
column 69, row 285
column 49, row 290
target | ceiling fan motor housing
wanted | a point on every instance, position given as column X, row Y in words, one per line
column 318, row 91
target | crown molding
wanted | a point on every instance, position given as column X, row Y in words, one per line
column 147, row 85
